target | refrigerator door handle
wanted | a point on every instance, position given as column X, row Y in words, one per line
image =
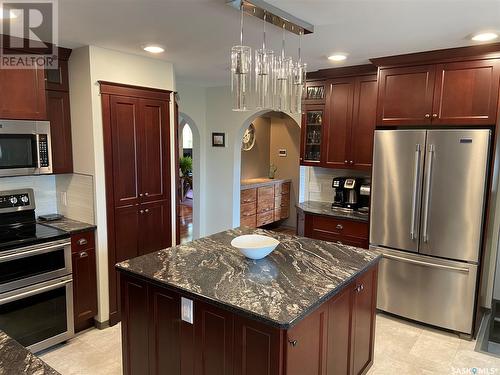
column 415, row 191
column 428, row 195
column 427, row 264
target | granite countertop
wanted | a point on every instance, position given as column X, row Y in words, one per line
column 325, row 209
column 280, row 290
column 252, row 183
column 69, row 225
column 16, row 359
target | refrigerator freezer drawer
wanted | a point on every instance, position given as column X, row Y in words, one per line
column 428, row 290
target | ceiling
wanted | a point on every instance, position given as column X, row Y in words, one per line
column 198, row 34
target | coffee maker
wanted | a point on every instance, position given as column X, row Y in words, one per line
column 350, row 192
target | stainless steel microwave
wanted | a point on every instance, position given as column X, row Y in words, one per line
column 25, row 148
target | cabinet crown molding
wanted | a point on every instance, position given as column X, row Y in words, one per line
column 346, row 71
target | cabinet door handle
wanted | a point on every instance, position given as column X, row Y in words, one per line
column 427, row 115
column 146, row 210
column 82, row 241
column 293, row 342
column 141, row 212
column 434, row 115
column 83, row 254
column 339, row 227
column 146, row 194
column 346, row 161
column 140, row 195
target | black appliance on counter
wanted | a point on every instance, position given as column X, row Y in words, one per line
column 36, row 283
column 351, row 193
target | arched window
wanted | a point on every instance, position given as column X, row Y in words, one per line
column 187, row 137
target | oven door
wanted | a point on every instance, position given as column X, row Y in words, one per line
column 25, row 148
column 33, row 264
column 39, row 316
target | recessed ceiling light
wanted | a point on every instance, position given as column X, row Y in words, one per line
column 484, row 37
column 337, row 57
column 152, row 48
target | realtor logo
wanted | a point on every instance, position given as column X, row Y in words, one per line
column 29, row 34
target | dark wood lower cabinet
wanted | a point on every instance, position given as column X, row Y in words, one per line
column 335, row 339
column 84, row 279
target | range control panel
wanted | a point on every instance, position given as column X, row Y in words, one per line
column 16, row 199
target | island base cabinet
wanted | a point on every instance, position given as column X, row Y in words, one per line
column 335, row 339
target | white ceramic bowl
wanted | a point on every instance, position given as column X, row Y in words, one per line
column 255, row 246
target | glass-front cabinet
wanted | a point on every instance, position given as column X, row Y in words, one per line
column 312, row 128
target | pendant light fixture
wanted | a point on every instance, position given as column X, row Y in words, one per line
column 264, row 69
column 279, row 82
column 282, row 80
column 241, row 63
column 299, row 71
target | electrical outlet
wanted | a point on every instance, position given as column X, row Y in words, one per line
column 187, row 310
column 64, row 198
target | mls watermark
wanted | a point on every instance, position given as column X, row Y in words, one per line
column 474, row 370
column 29, row 34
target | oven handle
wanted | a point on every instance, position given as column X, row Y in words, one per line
column 34, row 292
column 25, row 254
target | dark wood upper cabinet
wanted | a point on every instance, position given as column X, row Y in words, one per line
column 337, row 133
column 363, row 122
column 154, row 145
column 24, row 94
column 58, row 113
column 347, row 124
column 449, row 93
column 57, row 79
column 466, row 93
column 126, row 147
column 405, row 95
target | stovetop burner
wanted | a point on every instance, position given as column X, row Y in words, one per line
column 18, row 227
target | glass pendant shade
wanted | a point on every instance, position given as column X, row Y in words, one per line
column 282, row 83
column 264, row 63
column 298, row 86
column 241, row 63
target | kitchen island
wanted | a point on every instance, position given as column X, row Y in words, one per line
column 307, row 308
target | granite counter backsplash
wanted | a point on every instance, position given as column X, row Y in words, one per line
column 279, row 290
column 69, row 225
column 15, row 359
column 325, row 209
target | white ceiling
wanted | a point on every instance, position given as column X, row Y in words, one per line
column 198, row 34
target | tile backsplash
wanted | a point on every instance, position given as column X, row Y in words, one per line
column 319, row 185
column 75, row 197
column 44, row 187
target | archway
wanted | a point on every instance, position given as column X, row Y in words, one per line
column 185, row 120
column 293, row 121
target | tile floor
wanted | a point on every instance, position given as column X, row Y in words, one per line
column 401, row 348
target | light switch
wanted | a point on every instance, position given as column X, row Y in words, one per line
column 187, row 310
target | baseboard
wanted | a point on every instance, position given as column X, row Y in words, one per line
column 101, row 325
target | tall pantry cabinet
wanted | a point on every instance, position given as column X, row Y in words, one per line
column 136, row 125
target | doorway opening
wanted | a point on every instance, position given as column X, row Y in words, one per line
column 186, row 183
column 269, row 149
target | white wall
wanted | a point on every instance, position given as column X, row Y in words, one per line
column 87, row 66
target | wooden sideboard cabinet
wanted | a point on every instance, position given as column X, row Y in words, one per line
column 264, row 205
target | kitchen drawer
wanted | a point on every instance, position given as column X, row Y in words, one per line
column 82, row 241
column 281, row 213
column 265, row 218
column 265, row 193
column 342, row 227
column 282, row 188
column 249, row 221
column 248, row 195
column 282, row 201
column 248, row 209
column 265, row 205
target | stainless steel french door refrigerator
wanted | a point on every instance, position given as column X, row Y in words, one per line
column 427, row 213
